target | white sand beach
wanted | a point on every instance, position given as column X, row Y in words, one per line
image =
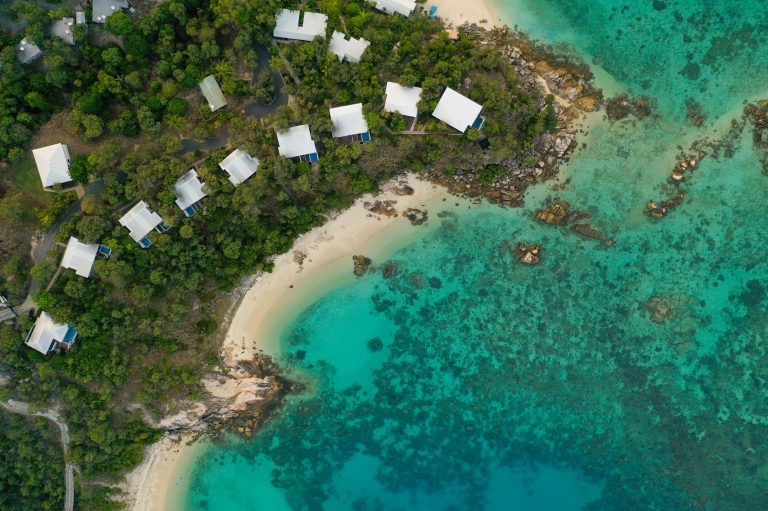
column 458, row 12
column 290, row 288
column 157, row 484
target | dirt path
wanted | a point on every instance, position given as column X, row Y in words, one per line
column 69, row 479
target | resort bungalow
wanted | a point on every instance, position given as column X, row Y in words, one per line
column 53, row 164
column 80, row 257
column 352, row 49
column 26, row 52
column 140, row 221
column 297, row 142
column 239, row 165
column 63, row 30
column 458, row 111
column 404, row 7
column 46, row 334
column 189, row 190
column 212, row 93
column 290, row 25
column 402, row 99
column 348, row 121
column 103, row 9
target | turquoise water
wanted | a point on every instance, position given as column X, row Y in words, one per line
column 502, row 386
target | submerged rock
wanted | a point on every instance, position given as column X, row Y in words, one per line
column 553, row 214
column 375, row 344
column 389, row 269
column 528, row 254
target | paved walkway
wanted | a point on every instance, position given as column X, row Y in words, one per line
column 69, row 478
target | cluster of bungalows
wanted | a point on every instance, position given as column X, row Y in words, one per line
column 454, row 109
column 27, row 51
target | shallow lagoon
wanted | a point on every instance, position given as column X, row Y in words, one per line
column 508, row 386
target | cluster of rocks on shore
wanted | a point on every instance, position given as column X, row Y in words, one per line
column 538, row 69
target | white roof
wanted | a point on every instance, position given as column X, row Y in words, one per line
column 239, row 165
column 296, row 141
column 79, row 257
column 352, row 49
column 140, row 220
column 63, row 30
column 102, row 9
column 348, row 120
column 189, row 190
column 44, row 333
column 456, row 110
column 27, row 52
column 404, row 7
column 212, row 93
column 288, row 25
column 79, row 18
column 402, row 99
column 53, row 164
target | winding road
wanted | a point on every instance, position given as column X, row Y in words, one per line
column 69, row 478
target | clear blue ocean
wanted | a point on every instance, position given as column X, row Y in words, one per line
column 472, row 382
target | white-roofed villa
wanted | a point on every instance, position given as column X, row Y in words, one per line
column 189, row 190
column 53, row 164
column 352, row 50
column 297, row 142
column 458, row 111
column 239, row 165
column 348, row 121
column 103, row 9
column 80, row 256
column 402, row 99
column 212, row 93
column 27, row 51
column 46, row 335
column 302, row 26
column 140, row 221
column 404, row 7
column 62, row 28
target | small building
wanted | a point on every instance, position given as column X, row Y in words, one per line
column 402, row 99
column 239, row 165
column 79, row 257
column 297, row 142
column 26, row 51
column 352, row 49
column 458, row 111
column 404, row 7
column 291, row 26
column 46, row 334
column 140, row 221
column 80, row 18
column 62, row 29
column 212, row 93
column 53, row 164
column 189, row 190
column 103, row 9
column 348, row 121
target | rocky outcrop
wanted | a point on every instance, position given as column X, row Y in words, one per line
column 386, row 208
column 527, row 254
column 361, row 263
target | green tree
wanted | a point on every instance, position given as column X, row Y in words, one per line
column 119, row 23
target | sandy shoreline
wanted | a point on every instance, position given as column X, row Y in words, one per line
column 458, row 12
column 156, row 484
